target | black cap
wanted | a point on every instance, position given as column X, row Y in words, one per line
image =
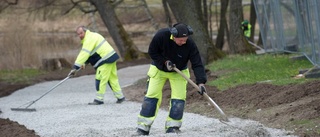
column 182, row 30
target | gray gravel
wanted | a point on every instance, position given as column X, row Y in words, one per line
column 64, row 112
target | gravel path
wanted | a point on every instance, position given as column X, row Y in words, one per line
column 64, row 112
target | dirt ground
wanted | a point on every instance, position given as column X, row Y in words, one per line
column 292, row 107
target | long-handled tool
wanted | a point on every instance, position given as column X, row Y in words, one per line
column 32, row 102
column 224, row 116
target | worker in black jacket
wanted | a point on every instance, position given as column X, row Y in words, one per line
column 170, row 47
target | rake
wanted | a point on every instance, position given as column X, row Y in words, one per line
column 27, row 109
column 224, row 116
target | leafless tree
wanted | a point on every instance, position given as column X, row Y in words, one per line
column 5, row 4
column 124, row 43
column 223, row 24
column 191, row 12
column 167, row 12
column 193, row 16
column 237, row 41
column 253, row 18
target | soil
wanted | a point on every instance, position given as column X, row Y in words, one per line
column 292, row 107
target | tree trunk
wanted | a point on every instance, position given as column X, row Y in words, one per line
column 253, row 19
column 120, row 37
column 205, row 14
column 237, row 42
column 167, row 12
column 148, row 12
column 189, row 16
column 223, row 24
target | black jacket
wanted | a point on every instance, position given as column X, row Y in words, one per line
column 163, row 48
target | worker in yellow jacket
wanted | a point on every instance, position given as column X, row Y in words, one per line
column 100, row 54
column 246, row 27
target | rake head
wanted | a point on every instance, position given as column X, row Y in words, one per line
column 24, row 109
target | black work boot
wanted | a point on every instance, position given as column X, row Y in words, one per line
column 173, row 130
column 141, row 132
column 96, row 102
column 121, row 100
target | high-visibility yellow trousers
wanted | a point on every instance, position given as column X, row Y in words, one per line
column 153, row 98
column 107, row 74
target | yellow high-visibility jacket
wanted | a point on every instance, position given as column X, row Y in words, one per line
column 246, row 29
column 95, row 50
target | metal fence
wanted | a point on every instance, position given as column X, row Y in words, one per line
column 290, row 26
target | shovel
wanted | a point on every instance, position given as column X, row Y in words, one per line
column 27, row 109
column 224, row 116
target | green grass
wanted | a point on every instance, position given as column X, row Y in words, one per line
column 311, row 126
column 16, row 76
column 248, row 69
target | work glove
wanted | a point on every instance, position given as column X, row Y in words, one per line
column 202, row 89
column 72, row 73
column 169, row 65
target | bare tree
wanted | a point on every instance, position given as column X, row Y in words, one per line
column 210, row 22
column 205, row 11
column 237, row 42
column 253, row 18
column 105, row 8
column 167, row 12
column 45, row 9
column 121, row 38
column 5, row 4
column 223, row 24
column 191, row 16
column 150, row 16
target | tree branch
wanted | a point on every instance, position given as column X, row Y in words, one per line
column 5, row 4
column 77, row 4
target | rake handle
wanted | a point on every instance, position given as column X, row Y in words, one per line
column 49, row 91
column 206, row 96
